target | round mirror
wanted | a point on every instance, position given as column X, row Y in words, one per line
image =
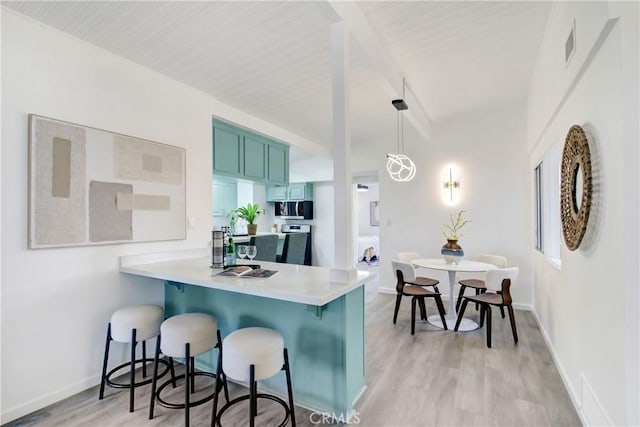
column 577, row 188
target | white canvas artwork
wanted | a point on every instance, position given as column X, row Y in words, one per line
column 90, row 186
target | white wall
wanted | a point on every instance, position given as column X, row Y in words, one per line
column 56, row 303
column 311, row 169
column 489, row 149
column 588, row 308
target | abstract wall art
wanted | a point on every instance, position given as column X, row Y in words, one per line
column 89, row 186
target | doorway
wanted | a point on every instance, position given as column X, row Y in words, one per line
column 367, row 229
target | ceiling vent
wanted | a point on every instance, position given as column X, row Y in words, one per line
column 570, row 44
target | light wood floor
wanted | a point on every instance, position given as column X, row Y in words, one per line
column 436, row 377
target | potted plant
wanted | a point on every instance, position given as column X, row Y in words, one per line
column 452, row 251
column 249, row 213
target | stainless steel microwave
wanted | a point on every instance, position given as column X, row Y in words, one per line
column 294, row 210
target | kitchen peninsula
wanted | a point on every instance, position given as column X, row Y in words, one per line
column 322, row 322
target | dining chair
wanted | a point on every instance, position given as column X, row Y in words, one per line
column 498, row 285
column 478, row 284
column 266, row 247
column 406, row 286
column 293, row 251
column 420, row 280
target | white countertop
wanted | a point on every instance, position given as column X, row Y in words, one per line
column 295, row 283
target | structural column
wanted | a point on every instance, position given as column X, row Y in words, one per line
column 344, row 265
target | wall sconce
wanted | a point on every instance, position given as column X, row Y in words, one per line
column 451, row 184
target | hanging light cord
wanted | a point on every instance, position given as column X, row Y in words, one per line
column 398, row 132
column 402, row 118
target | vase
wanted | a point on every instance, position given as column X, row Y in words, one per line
column 252, row 229
column 452, row 252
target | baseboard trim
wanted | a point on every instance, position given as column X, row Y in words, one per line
column 48, row 399
column 575, row 398
column 592, row 407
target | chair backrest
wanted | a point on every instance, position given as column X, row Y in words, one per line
column 494, row 278
column 408, row 274
column 497, row 260
column 407, row 256
column 295, row 245
column 266, row 247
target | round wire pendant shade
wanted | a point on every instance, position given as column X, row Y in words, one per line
column 400, row 167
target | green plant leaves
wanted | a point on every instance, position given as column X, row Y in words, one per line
column 249, row 213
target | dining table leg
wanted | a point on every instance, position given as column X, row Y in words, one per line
column 465, row 324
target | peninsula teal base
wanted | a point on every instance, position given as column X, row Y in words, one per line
column 326, row 344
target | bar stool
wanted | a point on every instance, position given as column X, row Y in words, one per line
column 186, row 336
column 132, row 324
column 253, row 354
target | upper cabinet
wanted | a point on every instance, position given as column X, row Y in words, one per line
column 225, row 196
column 292, row 192
column 227, row 151
column 239, row 153
column 278, row 160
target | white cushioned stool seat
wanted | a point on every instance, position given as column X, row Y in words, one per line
column 261, row 347
column 145, row 319
column 197, row 329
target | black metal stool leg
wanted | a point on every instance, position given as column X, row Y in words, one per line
column 287, row 371
column 154, row 380
column 193, row 377
column 103, row 380
column 173, row 372
column 144, row 359
column 224, row 384
column 132, row 373
column 187, row 359
column 252, row 396
column 214, row 411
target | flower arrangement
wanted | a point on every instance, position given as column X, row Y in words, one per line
column 451, row 231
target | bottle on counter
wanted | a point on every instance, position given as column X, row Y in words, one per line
column 231, row 254
column 229, row 248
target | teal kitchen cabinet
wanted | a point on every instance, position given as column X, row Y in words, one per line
column 225, row 195
column 227, row 151
column 254, row 158
column 299, row 191
column 276, row 194
column 239, row 153
column 278, row 160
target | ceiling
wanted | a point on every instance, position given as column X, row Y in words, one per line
column 272, row 59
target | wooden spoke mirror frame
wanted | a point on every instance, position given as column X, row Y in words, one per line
column 575, row 191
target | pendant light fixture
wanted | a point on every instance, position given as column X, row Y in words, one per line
column 400, row 167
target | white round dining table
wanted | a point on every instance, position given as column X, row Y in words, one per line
column 452, row 269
